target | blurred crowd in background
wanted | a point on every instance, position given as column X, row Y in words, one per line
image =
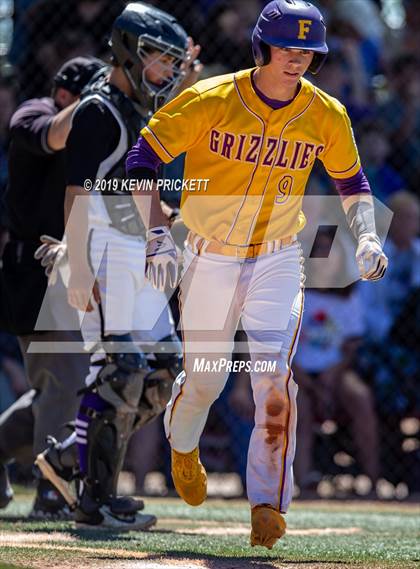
column 357, row 365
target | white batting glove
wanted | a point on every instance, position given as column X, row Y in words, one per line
column 371, row 260
column 53, row 255
column 161, row 258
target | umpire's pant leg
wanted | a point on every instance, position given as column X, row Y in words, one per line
column 57, row 377
column 17, row 430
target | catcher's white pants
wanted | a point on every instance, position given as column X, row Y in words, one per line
column 266, row 295
column 129, row 303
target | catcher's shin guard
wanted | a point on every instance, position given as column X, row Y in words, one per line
column 165, row 363
column 105, row 421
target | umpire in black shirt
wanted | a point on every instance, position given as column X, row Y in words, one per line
column 34, row 206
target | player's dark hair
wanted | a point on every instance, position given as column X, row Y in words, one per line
column 266, row 52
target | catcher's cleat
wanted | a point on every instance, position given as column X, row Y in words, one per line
column 49, row 504
column 54, row 466
column 267, row 526
column 124, row 505
column 119, row 515
column 189, row 476
column 60, row 475
column 105, row 519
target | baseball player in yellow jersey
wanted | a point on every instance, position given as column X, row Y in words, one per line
column 255, row 135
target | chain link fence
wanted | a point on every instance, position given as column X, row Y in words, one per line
column 365, row 420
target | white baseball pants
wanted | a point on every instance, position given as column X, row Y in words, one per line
column 266, row 295
column 129, row 303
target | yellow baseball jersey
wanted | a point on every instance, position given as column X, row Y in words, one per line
column 257, row 159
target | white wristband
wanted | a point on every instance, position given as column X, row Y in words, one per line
column 370, row 237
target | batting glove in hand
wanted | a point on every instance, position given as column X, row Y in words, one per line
column 161, row 258
column 52, row 254
column 371, row 260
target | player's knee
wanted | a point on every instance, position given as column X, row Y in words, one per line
column 206, row 394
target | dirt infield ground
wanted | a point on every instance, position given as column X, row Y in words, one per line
column 321, row 535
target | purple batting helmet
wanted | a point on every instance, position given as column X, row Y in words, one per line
column 294, row 24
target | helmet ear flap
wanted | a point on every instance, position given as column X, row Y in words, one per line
column 317, row 62
column 265, row 52
column 262, row 52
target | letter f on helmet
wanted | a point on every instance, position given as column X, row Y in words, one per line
column 304, row 28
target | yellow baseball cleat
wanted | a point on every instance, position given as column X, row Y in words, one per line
column 189, row 477
column 267, row 526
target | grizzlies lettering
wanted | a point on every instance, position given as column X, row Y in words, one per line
column 290, row 154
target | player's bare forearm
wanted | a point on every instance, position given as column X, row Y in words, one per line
column 60, row 127
column 77, row 226
column 82, row 285
column 149, row 207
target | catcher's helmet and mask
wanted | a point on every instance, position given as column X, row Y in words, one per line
column 139, row 30
column 293, row 24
